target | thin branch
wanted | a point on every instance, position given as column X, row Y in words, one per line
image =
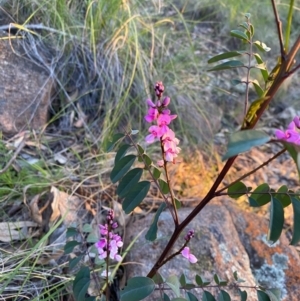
column 293, row 70
column 13, row 158
column 279, row 29
column 218, row 193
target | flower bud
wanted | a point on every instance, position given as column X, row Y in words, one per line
column 166, row 101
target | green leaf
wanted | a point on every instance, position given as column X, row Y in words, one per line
column 274, row 294
column 261, row 194
column 87, row 228
column 227, row 65
column 294, row 153
column 243, row 141
column 262, row 296
column 81, row 283
column 282, row 196
column 262, row 46
column 74, row 261
column 173, row 282
column 190, row 297
column 122, row 166
column 237, row 190
column 71, row 232
column 251, row 29
column 129, row 181
column 121, row 152
column 70, row 245
column 276, row 220
column 109, row 143
column 247, row 15
column 92, row 238
column 156, row 173
column 235, row 82
column 296, row 226
column 147, row 161
column 178, row 299
column 135, row 196
column 158, row 279
column 140, row 150
column 200, row 281
column 223, row 56
column 259, row 91
column 177, row 203
column 182, row 280
column 224, row 296
column 137, row 288
column 235, row 275
column 166, row 297
column 207, row 296
column 163, row 186
column 264, row 72
column 152, row 232
column 243, row 295
column 216, row 278
column 239, row 34
column 244, row 25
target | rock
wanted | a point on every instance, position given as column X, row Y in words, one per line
column 25, row 89
column 226, row 240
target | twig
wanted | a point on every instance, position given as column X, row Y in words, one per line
column 13, row 158
column 217, row 193
column 279, row 29
column 293, row 70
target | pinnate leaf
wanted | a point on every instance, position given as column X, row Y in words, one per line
column 243, row 141
column 163, row 186
column 191, row 297
column 137, row 288
column 243, row 295
column 135, row 196
column 296, row 226
column 283, row 196
column 223, row 56
column 70, row 245
column 207, row 296
column 227, row 65
column 81, row 283
column 224, row 296
column 121, row 152
column 276, row 220
column 152, row 232
column 262, row 46
column 121, row 167
column 260, row 196
column 239, row 34
column 129, row 181
column 109, row 143
column 264, row 72
column 262, row 296
column 173, row 282
column 237, row 190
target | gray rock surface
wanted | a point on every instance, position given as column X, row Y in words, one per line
column 25, row 89
column 226, row 240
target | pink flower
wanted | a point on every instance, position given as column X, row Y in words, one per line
column 166, row 101
column 290, row 135
column 297, row 121
column 150, row 103
column 155, row 134
column 160, row 163
column 186, row 253
column 152, row 115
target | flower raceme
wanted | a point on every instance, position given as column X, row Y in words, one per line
column 160, row 114
column 291, row 134
column 109, row 243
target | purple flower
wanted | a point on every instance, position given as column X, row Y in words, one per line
column 186, row 253
column 290, row 135
column 152, row 115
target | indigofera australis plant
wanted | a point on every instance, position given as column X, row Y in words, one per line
column 132, row 190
